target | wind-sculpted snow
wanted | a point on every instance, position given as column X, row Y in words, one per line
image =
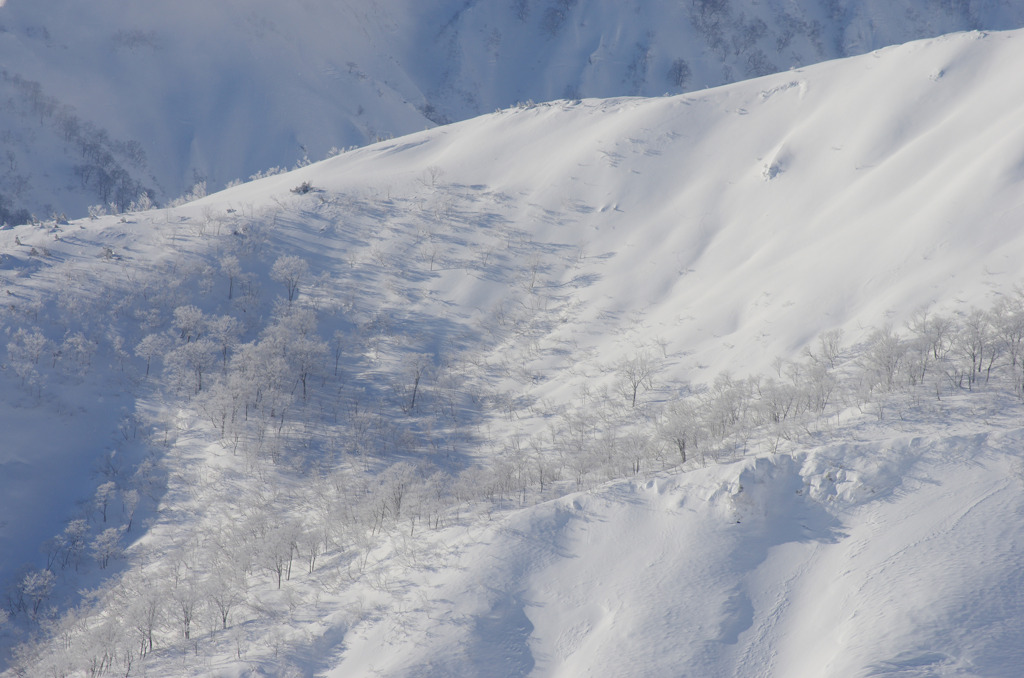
column 104, row 103
column 740, row 569
column 729, row 381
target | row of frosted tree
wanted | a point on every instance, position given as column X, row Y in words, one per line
column 328, row 528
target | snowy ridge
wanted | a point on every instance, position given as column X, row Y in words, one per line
column 350, row 400
column 103, row 102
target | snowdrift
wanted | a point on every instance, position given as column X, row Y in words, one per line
column 895, row 557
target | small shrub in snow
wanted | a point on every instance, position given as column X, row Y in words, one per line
column 303, row 188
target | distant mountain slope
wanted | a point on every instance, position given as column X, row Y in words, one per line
column 281, row 427
column 104, row 102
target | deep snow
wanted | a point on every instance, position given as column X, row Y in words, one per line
column 544, row 244
column 891, row 557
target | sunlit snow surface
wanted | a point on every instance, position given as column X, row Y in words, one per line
column 222, row 90
column 720, row 229
column 863, row 559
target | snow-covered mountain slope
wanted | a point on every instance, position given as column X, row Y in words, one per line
column 739, row 223
column 861, row 559
column 104, row 101
column 366, row 363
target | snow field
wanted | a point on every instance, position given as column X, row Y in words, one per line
column 514, row 266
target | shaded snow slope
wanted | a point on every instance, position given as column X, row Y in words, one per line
column 511, row 264
column 105, row 101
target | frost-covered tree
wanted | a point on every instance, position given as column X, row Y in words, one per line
column 1007, row 317
column 777, row 400
column 225, row 590
column 187, row 364
column 186, row 600
column 72, row 542
column 225, row 330
column 35, row 588
column 820, row 387
column 920, row 348
column 189, row 321
column 395, row 484
column 231, row 268
column 306, row 354
column 77, row 353
column 141, row 204
column 130, row 501
column 885, row 358
column 725, row 406
column 26, row 348
column 151, row 346
column 142, row 599
column 278, row 549
column 289, row 269
column 104, row 494
column 409, row 386
column 976, row 346
column 636, row 373
column 107, row 545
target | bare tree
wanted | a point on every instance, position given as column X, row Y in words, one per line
column 141, row 600
column 1008, row 324
column 417, row 367
column 636, row 373
column 885, row 357
column 831, row 345
column 225, row 589
column 974, row 343
column 921, row 343
column 680, row 426
column 186, row 601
